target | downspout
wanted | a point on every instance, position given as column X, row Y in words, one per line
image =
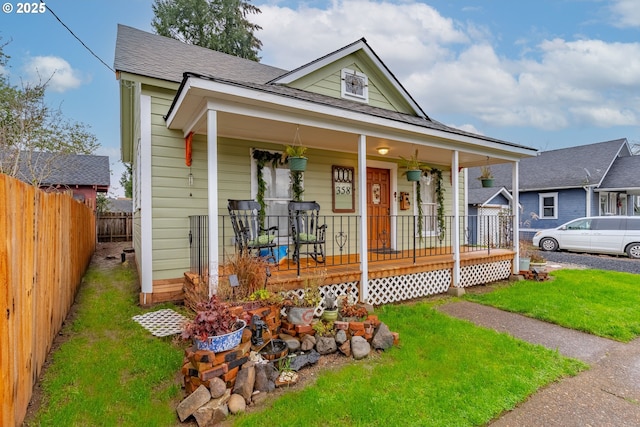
column 588, row 189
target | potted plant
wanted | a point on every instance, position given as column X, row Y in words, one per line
column 414, row 167
column 214, row 328
column 350, row 310
column 294, row 155
column 537, row 260
column 330, row 312
column 486, row 176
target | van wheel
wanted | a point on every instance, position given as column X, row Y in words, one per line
column 548, row 244
column 633, row 250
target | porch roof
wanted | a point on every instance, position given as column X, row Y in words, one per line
column 271, row 113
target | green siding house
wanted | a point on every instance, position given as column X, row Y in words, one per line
column 192, row 119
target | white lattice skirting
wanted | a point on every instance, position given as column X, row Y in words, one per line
column 401, row 288
column 477, row 274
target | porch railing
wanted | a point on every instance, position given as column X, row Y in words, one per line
column 390, row 238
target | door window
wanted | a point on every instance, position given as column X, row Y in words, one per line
column 429, row 207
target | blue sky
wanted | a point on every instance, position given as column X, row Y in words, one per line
column 543, row 73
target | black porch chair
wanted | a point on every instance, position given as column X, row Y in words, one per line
column 250, row 236
column 307, row 232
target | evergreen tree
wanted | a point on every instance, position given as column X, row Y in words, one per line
column 220, row 25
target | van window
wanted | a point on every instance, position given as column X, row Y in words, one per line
column 633, row 224
column 581, row 224
column 609, row 224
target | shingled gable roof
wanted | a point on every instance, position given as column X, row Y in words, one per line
column 68, row 170
column 151, row 55
column 358, row 45
column 624, row 175
column 571, row 167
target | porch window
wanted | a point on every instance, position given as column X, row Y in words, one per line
column 548, row 205
column 429, row 207
column 277, row 194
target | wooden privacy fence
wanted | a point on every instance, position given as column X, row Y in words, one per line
column 46, row 244
column 115, row 227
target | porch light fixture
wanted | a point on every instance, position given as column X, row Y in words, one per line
column 382, row 150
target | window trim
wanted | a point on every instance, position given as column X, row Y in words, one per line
column 541, row 197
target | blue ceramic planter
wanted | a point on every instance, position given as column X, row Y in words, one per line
column 220, row 343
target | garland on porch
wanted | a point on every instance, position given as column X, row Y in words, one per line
column 437, row 174
column 262, row 158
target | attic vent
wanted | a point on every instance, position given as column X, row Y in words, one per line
column 355, row 85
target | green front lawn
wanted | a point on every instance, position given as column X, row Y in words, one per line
column 603, row 303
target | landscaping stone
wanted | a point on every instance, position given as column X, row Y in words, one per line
column 303, row 360
column 292, row 342
column 258, row 398
column 383, row 338
column 263, row 382
column 341, row 337
column 214, row 411
column 326, row 345
column 191, row 403
column 236, row 404
column 217, row 387
column 345, row 348
column 308, row 342
column 360, row 347
column 245, row 381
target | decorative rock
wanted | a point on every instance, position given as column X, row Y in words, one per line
column 326, row 345
column 263, row 383
column 360, row 348
column 345, row 348
column 191, row 403
column 308, row 342
column 292, row 342
column 303, row 360
column 217, row 387
column 236, row 404
column 245, row 381
column 213, row 411
column 341, row 337
column 383, row 338
column 258, row 398
column 272, row 371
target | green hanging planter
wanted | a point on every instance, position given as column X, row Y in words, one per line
column 414, row 175
column 487, row 182
column 297, row 164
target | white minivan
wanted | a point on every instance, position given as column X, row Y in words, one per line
column 599, row 234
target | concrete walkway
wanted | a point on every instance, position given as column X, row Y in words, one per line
column 608, row 394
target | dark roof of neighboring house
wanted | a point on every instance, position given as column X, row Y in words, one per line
column 66, row 169
column 481, row 195
column 119, row 205
column 139, row 52
column 563, row 168
column 624, row 174
column 146, row 54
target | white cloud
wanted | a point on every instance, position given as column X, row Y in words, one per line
column 58, row 72
column 626, row 13
column 453, row 68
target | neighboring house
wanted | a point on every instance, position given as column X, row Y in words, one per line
column 119, row 205
column 560, row 185
column 194, row 121
column 81, row 175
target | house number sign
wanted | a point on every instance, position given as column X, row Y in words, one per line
column 343, row 191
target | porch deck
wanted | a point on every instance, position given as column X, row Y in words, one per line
column 346, row 269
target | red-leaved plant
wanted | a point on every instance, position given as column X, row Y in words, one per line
column 212, row 318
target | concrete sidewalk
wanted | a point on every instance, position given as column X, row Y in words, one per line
column 608, row 394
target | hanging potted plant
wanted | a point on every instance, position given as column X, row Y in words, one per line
column 214, row 328
column 486, row 176
column 295, row 157
column 414, row 167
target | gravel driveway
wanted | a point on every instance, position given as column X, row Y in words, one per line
column 601, row 262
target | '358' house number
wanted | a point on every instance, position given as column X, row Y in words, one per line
column 343, row 191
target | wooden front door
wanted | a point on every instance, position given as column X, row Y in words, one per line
column 379, row 208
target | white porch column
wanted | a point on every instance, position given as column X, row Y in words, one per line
column 515, row 185
column 212, row 182
column 362, row 202
column 455, row 237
